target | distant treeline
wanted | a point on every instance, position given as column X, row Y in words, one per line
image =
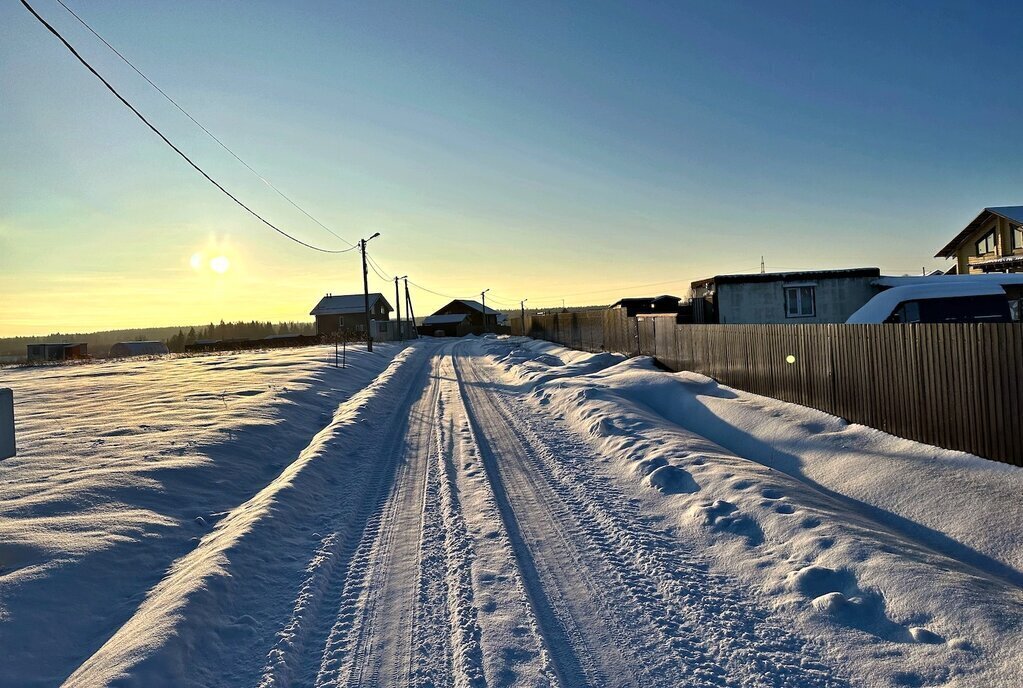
column 100, row 342
column 236, row 330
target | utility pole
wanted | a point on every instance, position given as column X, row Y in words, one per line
column 762, row 270
column 522, row 311
column 484, row 295
column 397, row 304
column 365, row 291
column 408, row 310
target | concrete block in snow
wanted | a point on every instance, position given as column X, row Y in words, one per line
column 7, row 448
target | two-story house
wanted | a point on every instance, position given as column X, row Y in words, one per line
column 993, row 242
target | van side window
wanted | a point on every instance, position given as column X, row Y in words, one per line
column 911, row 312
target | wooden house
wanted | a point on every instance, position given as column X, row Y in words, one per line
column 347, row 312
column 992, row 242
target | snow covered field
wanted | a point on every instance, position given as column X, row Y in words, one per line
column 487, row 512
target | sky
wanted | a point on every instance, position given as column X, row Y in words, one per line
column 545, row 151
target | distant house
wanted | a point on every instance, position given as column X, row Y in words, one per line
column 633, row 306
column 450, row 325
column 125, row 349
column 51, row 351
column 347, row 312
column 993, row 242
column 818, row 296
column 478, row 320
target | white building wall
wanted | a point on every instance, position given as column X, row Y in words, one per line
column 764, row 302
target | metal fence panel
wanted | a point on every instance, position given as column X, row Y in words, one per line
column 958, row 386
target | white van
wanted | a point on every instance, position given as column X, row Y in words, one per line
column 944, row 298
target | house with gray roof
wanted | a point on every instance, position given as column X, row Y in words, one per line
column 478, row 319
column 347, row 313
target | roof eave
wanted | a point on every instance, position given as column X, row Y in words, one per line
column 951, row 247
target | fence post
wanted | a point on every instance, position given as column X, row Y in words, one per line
column 7, row 445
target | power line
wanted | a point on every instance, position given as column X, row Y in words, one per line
column 609, row 289
column 177, row 150
column 198, row 124
column 437, row 293
column 378, row 265
column 376, row 268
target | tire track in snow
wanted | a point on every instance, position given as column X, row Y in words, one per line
column 498, row 637
column 336, row 562
column 700, row 622
column 390, row 596
column 588, row 642
column 371, row 642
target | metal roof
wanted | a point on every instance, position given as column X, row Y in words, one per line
column 347, row 304
column 475, row 305
column 447, row 319
column 788, row 276
column 1012, row 213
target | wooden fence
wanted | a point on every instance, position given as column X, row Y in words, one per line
column 958, row 386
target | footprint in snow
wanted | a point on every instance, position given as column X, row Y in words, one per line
column 671, row 480
column 725, row 516
column 836, row 594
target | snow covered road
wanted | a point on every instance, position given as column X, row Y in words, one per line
column 494, row 512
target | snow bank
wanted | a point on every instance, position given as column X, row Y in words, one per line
column 905, row 559
column 191, row 598
column 123, row 468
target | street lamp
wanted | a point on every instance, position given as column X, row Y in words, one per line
column 522, row 311
column 365, row 290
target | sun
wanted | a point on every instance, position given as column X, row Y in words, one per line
column 220, row 264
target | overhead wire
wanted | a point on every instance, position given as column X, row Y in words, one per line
column 437, row 293
column 73, row 51
column 200, row 125
column 377, row 270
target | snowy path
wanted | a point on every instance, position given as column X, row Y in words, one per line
column 484, row 561
column 483, row 514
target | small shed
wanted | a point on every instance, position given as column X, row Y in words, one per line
column 126, row 349
column 634, row 306
column 809, row 296
column 446, row 325
column 638, row 305
column 665, row 303
column 56, row 351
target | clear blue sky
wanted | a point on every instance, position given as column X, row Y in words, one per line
column 540, row 151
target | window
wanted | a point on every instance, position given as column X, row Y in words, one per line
column 1017, row 237
column 986, row 244
column 800, row 302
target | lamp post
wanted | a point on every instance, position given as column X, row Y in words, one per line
column 522, row 311
column 365, row 290
column 483, row 294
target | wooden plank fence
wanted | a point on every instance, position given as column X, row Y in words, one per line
column 955, row 385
